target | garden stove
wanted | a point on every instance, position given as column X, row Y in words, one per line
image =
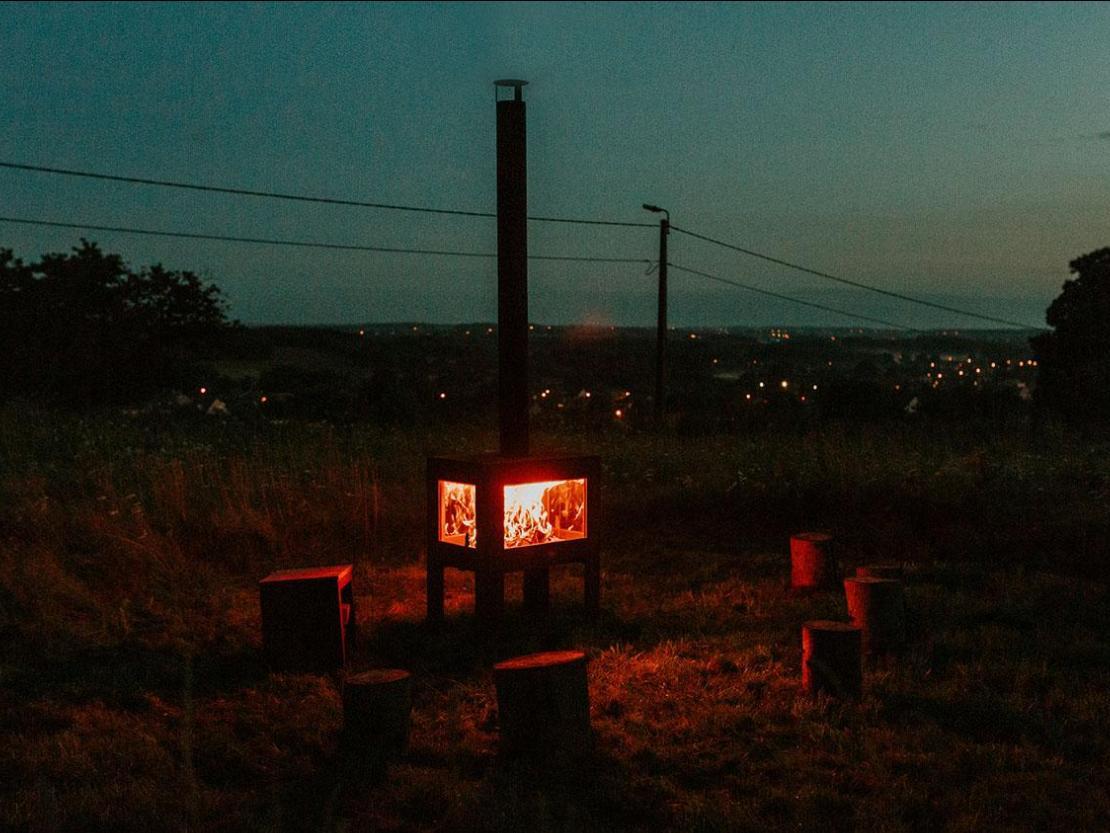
column 508, row 512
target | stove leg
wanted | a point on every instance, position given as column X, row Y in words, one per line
column 537, row 590
column 435, row 591
column 489, row 596
column 592, row 580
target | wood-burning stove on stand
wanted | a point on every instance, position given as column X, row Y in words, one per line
column 509, row 512
column 494, row 515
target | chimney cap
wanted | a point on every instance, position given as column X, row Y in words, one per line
column 514, row 83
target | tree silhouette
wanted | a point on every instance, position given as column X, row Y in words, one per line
column 82, row 328
column 1073, row 360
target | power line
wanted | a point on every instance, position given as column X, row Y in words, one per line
column 856, row 284
column 277, row 195
column 306, row 244
column 791, row 298
column 313, row 244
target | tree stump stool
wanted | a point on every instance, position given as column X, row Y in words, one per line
column 878, row 607
column 812, row 562
column 543, row 707
column 377, row 706
column 831, row 659
column 893, row 571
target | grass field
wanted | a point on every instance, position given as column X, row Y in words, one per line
column 133, row 697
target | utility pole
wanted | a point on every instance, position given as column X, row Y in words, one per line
column 661, row 332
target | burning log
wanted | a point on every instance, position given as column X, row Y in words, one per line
column 878, row 607
column 538, row 513
column 459, row 514
column 831, row 660
column 812, row 563
column 543, row 706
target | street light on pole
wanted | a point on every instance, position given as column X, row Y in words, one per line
column 661, row 332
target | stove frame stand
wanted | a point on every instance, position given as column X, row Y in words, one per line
column 490, row 560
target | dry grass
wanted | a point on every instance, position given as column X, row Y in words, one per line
column 132, row 696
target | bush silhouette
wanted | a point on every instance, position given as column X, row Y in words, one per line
column 1073, row 360
column 83, row 329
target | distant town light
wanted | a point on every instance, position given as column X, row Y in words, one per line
column 442, row 395
column 203, row 391
column 784, row 384
column 618, row 413
column 263, row 399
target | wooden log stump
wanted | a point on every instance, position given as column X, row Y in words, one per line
column 878, row 607
column 377, row 706
column 812, row 562
column 543, row 707
column 831, row 659
column 893, row 571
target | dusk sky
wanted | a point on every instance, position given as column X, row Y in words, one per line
column 959, row 152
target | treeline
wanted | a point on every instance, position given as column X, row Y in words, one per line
column 83, row 328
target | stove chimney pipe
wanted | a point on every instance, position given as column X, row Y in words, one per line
column 512, row 272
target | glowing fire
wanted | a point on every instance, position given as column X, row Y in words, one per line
column 539, row 513
column 535, row 513
column 457, row 514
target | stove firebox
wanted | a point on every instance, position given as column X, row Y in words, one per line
column 494, row 515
